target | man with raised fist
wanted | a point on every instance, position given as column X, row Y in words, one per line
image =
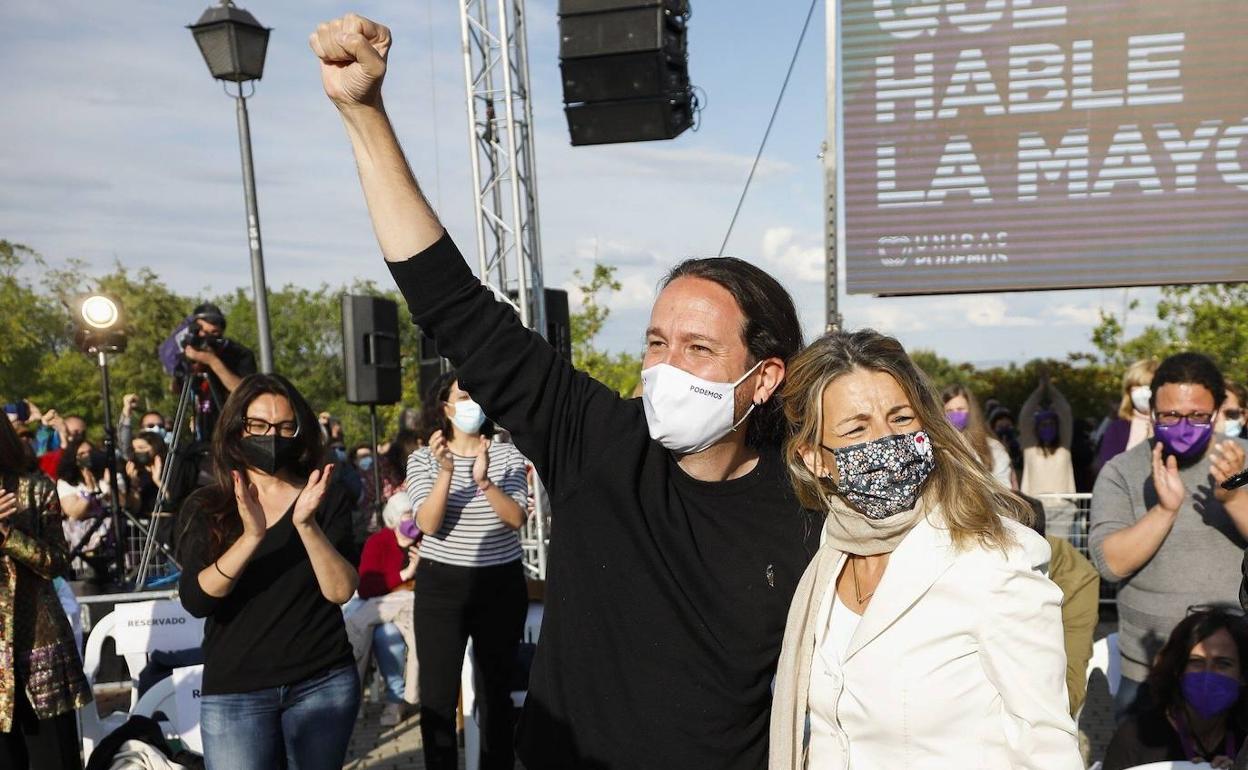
column 679, row 540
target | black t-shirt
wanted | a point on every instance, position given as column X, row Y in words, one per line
column 1149, row 737
column 666, row 597
column 275, row 628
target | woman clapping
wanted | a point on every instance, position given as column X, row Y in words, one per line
column 261, row 554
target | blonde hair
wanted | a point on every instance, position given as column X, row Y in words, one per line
column 1139, row 373
column 970, row 499
column 976, row 433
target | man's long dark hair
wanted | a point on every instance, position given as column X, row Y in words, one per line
column 218, row 503
column 771, row 328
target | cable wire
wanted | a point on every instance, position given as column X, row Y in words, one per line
column 775, row 111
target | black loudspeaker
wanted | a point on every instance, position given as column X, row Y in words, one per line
column 625, row 69
column 559, row 322
column 370, row 350
column 614, row 32
column 626, row 76
column 572, row 7
column 631, row 120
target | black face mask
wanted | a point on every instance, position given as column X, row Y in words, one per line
column 84, row 462
column 143, row 458
column 269, row 454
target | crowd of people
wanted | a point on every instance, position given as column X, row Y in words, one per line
column 775, row 555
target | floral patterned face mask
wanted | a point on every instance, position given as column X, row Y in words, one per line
column 882, row 478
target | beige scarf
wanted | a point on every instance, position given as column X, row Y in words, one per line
column 847, row 532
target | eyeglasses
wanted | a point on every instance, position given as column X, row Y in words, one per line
column 1170, row 419
column 1234, row 610
column 254, row 426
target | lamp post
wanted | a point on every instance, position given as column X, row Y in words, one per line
column 233, row 44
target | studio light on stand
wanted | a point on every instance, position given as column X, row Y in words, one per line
column 100, row 330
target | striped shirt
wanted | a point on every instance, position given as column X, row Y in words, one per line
column 471, row 534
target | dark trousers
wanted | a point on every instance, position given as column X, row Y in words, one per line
column 39, row 744
column 489, row 605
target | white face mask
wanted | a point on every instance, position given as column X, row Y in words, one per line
column 468, row 416
column 685, row 413
column 1140, row 396
column 1233, row 429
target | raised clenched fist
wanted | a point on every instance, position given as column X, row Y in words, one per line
column 352, row 51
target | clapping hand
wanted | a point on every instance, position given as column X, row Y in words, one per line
column 441, row 451
column 249, row 509
column 481, row 466
column 310, row 498
column 1170, row 489
column 352, row 51
column 1226, row 459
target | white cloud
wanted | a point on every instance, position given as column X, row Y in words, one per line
column 636, row 292
column 1075, row 315
column 792, row 256
column 989, row 310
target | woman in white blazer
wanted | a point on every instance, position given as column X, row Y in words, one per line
column 925, row 634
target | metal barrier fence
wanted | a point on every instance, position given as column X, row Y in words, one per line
column 160, row 569
column 1068, row 516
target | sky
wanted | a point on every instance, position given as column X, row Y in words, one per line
column 119, row 147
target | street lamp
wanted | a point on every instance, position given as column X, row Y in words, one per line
column 233, row 44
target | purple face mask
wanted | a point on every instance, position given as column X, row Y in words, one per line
column 1184, row 440
column 409, row 529
column 1209, row 693
column 958, row 419
column 1046, row 432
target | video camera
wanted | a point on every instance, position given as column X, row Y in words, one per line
column 196, row 338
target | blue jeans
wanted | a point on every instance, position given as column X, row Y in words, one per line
column 1124, row 701
column 391, row 653
column 303, row 726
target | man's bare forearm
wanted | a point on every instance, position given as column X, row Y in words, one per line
column 403, row 221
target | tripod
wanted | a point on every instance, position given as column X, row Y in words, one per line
column 114, row 487
column 167, row 475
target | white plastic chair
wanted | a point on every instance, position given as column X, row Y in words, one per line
column 1105, row 658
column 93, row 726
column 472, row 731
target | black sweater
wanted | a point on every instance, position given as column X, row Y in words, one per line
column 666, row 597
column 275, row 627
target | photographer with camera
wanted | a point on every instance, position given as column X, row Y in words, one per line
column 222, row 362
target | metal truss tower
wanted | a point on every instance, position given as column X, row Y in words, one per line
column 494, row 35
column 500, row 123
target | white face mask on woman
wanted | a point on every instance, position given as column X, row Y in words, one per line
column 686, row 413
column 468, row 416
column 1141, row 395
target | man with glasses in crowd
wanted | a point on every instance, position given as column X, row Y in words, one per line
column 1162, row 526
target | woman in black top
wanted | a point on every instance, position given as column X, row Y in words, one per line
column 1197, row 712
column 261, row 554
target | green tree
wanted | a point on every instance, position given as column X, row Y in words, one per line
column 1206, row 318
column 619, row 371
column 31, row 324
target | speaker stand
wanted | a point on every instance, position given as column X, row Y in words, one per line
column 372, row 416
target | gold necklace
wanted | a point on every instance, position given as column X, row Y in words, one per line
column 862, row 600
